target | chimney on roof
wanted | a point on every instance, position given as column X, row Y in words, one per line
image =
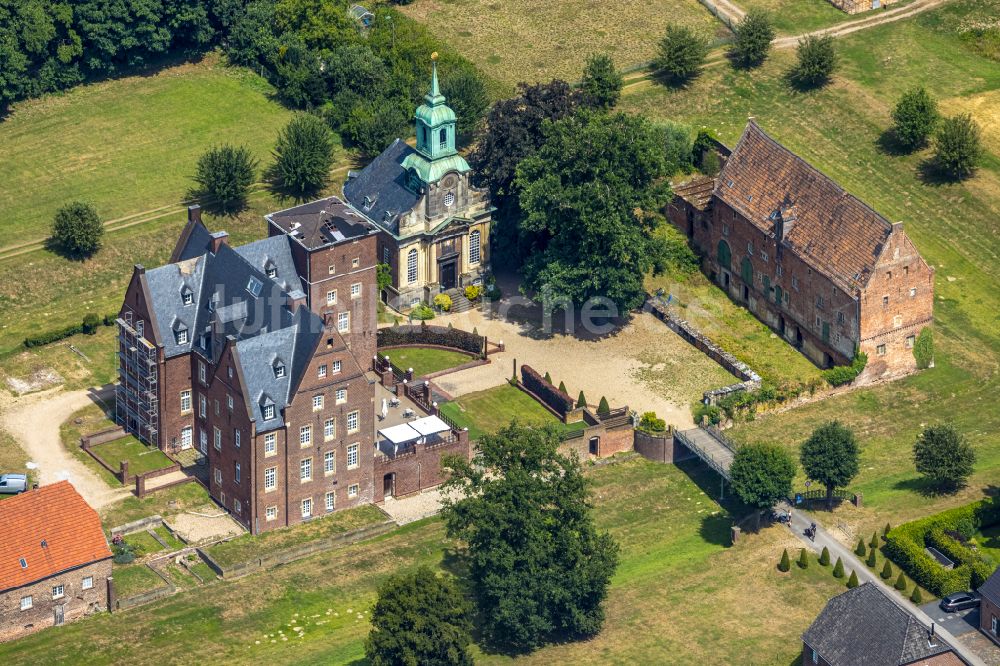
column 219, row 238
column 295, row 299
column 140, row 269
column 194, row 213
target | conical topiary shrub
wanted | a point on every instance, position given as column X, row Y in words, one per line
column 784, row 564
column 860, row 550
column 900, row 582
column 872, row 559
column 838, row 569
column 887, row 571
column 548, row 377
column 885, row 531
column 873, row 544
column 803, row 559
column 581, row 400
column 824, row 557
column 562, row 387
column 603, row 408
column 916, row 597
column 852, row 582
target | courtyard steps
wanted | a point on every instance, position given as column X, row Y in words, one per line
column 459, row 303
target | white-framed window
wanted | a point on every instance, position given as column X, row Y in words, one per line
column 795, row 283
column 356, row 290
column 880, row 350
column 186, row 437
column 271, row 513
column 913, row 292
column 202, row 373
column 202, row 406
column 306, row 469
column 750, row 248
column 335, row 367
column 270, row 444
column 229, row 401
column 279, row 370
column 910, row 340
column 271, row 272
column 317, row 403
column 237, row 506
column 182, row 336
column 352, row 490
column 329, row 463
column 218, row 475
column 993, row 620
column 355, row 262
column 268, row 412
column 475, row 247
column 307, row 507
column 897, row 321
column 203, row 439
column 270, row 478
column 352, row 421
column 87, row 583
column 321, row 371
column 305, row 435
column 341, row 396
column 329, row 429
column 58, row 591
column 27, row 603
column 216, row 438
column 411, row 266
column 254, row 286
column 330, row 501
column 331, row 269
column 331, row 297
column 343, row 322
column 238, row 475
column 187, row 297
column 236, row 437
column 352, row 456
column 185, row 401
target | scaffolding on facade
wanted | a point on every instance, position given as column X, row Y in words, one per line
column 136, row 396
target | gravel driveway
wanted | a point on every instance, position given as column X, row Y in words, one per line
column 34, row 420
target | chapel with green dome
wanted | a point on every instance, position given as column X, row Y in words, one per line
column 435, row 224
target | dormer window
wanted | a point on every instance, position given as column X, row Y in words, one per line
column 270, row 269
column 180, row 332
column 268, row 412
column 254, row 286
column 279, row 369
column 24, row 563
column 187, row 296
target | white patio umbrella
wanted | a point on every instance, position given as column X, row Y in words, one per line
column 385, row 408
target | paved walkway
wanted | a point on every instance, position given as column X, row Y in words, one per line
column 851, row 562
column 713, row 452
column 34, row 421
column 414, row 507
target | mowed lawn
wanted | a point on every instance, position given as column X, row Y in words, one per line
column 140, row 458
column 425, row 360
column 485, row 412
column 127, row 145
column 517, row 40
column 956, row 227
column 679, row 590
column 794, row 17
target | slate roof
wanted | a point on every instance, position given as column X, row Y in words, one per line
column 321, row 222
column 991, row 588
column 865, row 626
column 52, row 529
column 832, row 230
column 383, row 182
column 276, row 251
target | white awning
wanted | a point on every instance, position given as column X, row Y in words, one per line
column 429, row 425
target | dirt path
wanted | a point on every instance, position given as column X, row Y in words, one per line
column 34, row 420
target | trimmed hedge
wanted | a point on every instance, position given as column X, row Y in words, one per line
column 423, row 334
column 845, row 374
column 905, row 546
column 549, row 394
column 89, row 326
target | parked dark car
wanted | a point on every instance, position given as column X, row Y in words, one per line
column 12, row 484
column 959, row 601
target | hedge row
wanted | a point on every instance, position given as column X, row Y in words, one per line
column 549, row 394
column 905, row 546
column 845, row 374
column 89, row 326
column 423, row 334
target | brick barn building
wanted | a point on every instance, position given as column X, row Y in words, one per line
column 817, row 265
column 258, row 356
column 55, row 563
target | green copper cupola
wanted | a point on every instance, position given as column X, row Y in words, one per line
column 435, row 127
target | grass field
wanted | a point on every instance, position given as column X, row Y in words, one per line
column 140, row 458
column 92, row 418
column 247, row 547
column 956, row 227
column 794, row 17
column 487, row 411
column 129, row 144
column 679, row 590
column 133, row 579
column 165, row 503
column 517, row 40
column 425, row 360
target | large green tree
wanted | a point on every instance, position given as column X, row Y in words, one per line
column 830, row 456
column 540, row 569
column 590, row 196
column 420, row 619
column 914, row 118
column 944, row 456
column 680, row 54
column 817, row 61
column 753, row 35
column 958, row 146
column 225, row 173
column 602, row 83
column 761, row 475
column 303, row 154
column 77, row 230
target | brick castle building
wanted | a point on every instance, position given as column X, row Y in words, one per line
column 817, row 265
column 55, row 563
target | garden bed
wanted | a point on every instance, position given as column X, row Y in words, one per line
column 426, row 360
column 487, row 411
column 140, row 458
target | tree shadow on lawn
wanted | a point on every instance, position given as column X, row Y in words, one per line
column 927, row 488
column 715, row 527
column 889, row 144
